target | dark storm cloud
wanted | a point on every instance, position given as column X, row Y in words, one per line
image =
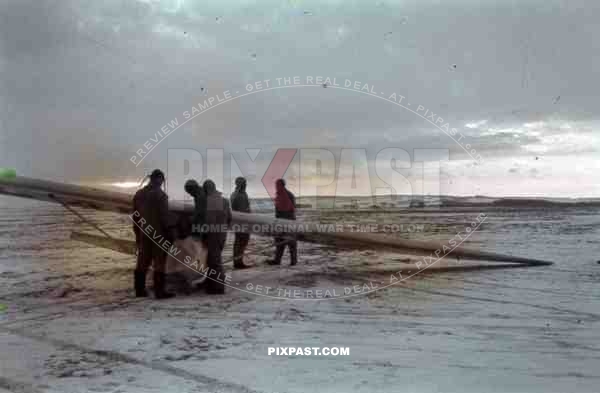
column 89, row 82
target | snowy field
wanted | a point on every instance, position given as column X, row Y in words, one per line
column 69, row 322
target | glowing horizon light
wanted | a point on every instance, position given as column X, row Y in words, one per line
column 476, row 124
column 535, row 124
column 126, row 184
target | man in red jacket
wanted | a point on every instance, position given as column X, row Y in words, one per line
column 285, row 207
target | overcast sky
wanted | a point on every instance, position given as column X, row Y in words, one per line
column 83, row 85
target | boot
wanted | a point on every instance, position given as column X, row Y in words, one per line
column 215, row 287
column 159, row 287
column 139, row 283
column 278, row 254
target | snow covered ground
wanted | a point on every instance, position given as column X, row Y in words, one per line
column 70, row 323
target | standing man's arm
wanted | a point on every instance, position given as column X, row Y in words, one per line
column 136, row 229
column 247, row 200
column 227, row 212
column 293, row 200
column 199, row 217
column 163, row 212
column 233, row 201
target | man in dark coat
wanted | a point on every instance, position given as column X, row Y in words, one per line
column 285, row 207
column 151, row 215
column 240, row 203
column 218, row 219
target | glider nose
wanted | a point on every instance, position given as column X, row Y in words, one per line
column 8, row 173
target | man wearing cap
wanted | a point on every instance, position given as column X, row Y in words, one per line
column 151, row 227
column 240, row 203
column 199, row 218
column 218, row 219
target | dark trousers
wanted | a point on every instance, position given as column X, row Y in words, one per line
column 239, row 246
column 149, row 254
column 214, row 245
column 282, row 243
